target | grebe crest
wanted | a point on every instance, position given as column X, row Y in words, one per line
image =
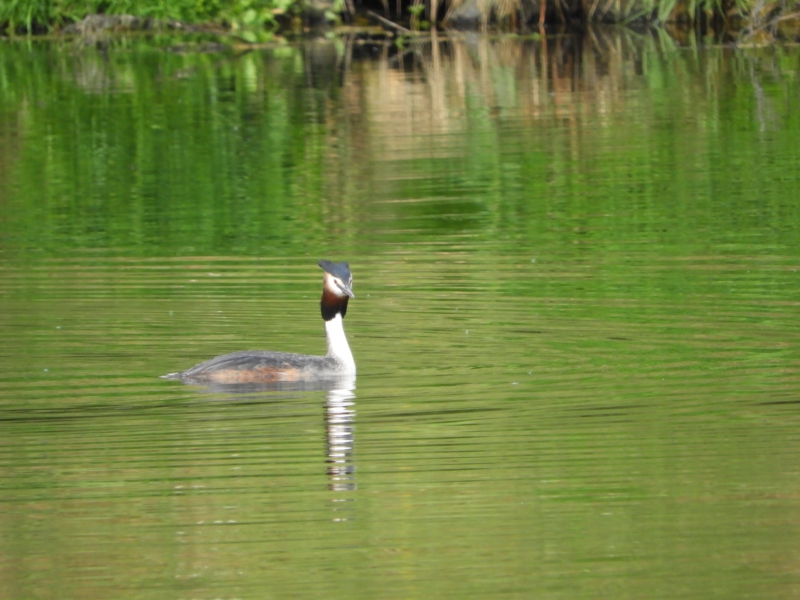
column 261, row 366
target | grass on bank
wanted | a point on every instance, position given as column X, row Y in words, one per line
column 758, row 21
column 39, row 16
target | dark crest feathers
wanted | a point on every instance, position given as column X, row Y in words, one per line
column 340, row 270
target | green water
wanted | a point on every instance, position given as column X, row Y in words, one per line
column 576, row 319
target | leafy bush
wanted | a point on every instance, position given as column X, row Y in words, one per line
column 34, row 16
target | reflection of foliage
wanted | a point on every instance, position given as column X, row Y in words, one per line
column 162, row 153
column 136, row 152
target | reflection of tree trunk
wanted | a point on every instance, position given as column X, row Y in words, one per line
column 429, row 54
column 467, row 73
column 764, row 110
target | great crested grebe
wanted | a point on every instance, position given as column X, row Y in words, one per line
column 263, row 366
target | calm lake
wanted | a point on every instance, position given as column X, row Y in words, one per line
column 576, row 322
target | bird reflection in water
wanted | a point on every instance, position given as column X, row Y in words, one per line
column 340, row 417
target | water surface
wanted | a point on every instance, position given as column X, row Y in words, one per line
column 576, row 274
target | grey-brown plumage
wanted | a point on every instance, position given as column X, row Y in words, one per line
column 263, row 366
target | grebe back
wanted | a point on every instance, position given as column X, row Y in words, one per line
column 262, row 366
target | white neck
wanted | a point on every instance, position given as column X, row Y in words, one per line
column 338, row 347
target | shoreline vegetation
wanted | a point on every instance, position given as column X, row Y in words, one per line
column 747, row 22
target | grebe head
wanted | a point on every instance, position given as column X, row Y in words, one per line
column 337, row 279
column 337, row 289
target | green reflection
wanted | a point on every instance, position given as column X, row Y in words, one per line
column 146, row 151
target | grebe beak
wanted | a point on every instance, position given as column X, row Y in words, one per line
column 346, row 289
